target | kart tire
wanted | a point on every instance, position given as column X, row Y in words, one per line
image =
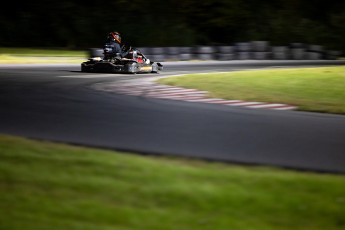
column 155, row 68
column 132, row 68
column 84, row 68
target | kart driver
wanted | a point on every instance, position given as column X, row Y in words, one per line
column 112, row 46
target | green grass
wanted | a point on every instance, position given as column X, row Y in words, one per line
column 39, row 56
column 24, row 52
column 320, row 89
column 54, row 186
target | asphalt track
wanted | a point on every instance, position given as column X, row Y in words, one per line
column 59, row 103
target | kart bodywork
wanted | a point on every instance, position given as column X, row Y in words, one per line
column 134, row 62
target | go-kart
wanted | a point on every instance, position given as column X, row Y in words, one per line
column 134, row 62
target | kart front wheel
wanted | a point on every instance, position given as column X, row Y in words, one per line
column 156, row 67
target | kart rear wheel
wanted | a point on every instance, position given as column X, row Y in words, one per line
column 85, row 68
column 132, row 67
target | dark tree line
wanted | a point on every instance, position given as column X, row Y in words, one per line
column 82, row 24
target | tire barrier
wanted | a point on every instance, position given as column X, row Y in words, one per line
column 185, row 53
column 314, row 52
column 243, row 50
column 243, row 47
column 96, row 52
column 280, row 53
column 254, row 50
column 172, row 53
column 157, row 54
column 204, row 52
column 260, row 46
column 331, row 55
column 225, row 53
column 297, row 53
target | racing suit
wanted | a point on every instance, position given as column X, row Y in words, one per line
column 113, row 49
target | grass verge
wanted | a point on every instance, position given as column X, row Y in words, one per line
column 29, row 52
column 318, row 89
column 40, row 56
column 54, row 186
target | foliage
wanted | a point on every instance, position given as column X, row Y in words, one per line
column 76, row 24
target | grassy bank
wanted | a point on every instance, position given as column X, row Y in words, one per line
column 54, row 186
column 38, row 56
column 31, row 52
column 311, row 89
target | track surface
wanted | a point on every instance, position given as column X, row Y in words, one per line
column 59, row 103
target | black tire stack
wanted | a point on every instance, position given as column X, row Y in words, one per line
column 204, row 53
column 260, row 50
column 157, row 54
column 172, row 53
column 280, row 53
column 225, row 53
column 254, row 50
column 185, row 54
column 243, row 50
column 314, row 52
column 96, row 52
column 331, row 55
column 297, row 51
